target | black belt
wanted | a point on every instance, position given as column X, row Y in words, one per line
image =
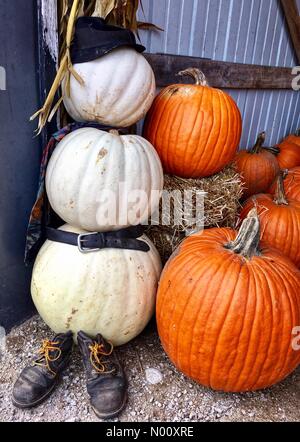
column 90, row 242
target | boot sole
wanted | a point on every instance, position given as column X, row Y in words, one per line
column 111, row 415
column 39, row 401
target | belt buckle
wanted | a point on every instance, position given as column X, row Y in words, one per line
column 80, row 241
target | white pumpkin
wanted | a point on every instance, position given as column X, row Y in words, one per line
column 118, row 89
column 110, row 291
column 102, row 181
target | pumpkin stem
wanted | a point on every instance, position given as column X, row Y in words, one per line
column 275, row 150
column 259, row 143
column 297, row 133
column 196, row 74
column 114, row 131
column 280, row 196
column 247, row 241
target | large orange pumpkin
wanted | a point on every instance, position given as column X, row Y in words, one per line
column 257, row 166
column 280, row 220
column 289, row 155
column 195, row 128
column 291, row 181
column 226, row 309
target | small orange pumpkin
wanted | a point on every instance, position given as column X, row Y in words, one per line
column 195, row 128
column 257, row 166
column 291, row 182
column 280, row 220
column 226, row 309
column 289, row 155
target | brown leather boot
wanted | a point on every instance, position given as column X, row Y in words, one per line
column 36, row 382
column 106, row 381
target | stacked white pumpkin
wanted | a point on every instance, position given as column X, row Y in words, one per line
column 108, row 291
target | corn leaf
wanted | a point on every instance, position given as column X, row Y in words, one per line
column 148, row 26
column 103, row 8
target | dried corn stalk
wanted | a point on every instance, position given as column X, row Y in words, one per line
column 65, row 70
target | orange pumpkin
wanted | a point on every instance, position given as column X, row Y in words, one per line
column 195, row 128
column 291, row 181
column 280, row 220
column 226, row 309
column 289, row 155
column 257, row 166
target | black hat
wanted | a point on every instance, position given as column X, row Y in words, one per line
column 94, row 38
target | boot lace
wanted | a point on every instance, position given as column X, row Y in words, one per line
column 97, row 353
column 45, row 358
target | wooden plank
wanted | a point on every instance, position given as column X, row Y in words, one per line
column 291, row 13
column 221, row 74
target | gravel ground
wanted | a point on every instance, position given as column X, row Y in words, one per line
column 157, row 391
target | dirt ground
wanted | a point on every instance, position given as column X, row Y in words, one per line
column 157, row 391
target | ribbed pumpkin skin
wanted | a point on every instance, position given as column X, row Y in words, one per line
column 89, row 162
column 111, row 291
column 280, row 224
column 195, row 129
column 289, row 155
column 118, row 89
column 225, row 321
column 291, row 184
column 258, row 170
